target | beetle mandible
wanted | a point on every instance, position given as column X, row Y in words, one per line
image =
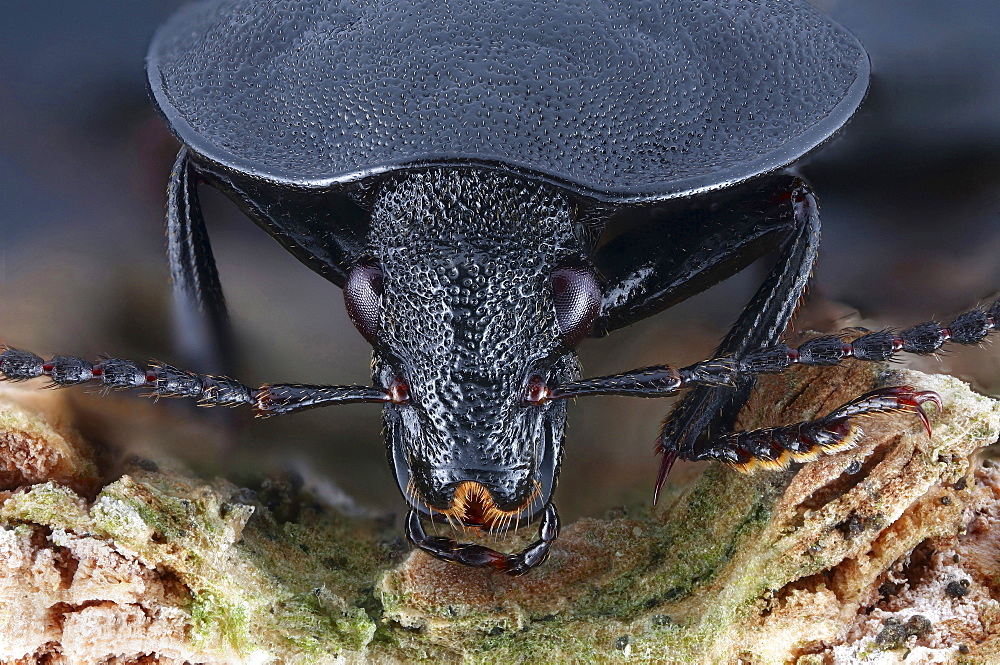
column 454, row 166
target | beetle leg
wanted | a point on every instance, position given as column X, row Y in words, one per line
column 201, row 322
column 167, row 381
column 763, row 321
column 671, row 251
column 480, row 556
column 776, row 447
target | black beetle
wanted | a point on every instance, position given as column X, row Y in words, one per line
column 453, row 168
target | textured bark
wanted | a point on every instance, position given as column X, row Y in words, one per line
column 881, row 552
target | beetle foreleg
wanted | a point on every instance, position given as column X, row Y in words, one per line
column 777, row 447
column 201, row 320
column 762, row 323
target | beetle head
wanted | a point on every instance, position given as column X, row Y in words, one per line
column 473, row 293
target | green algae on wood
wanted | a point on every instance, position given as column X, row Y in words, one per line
column 255, row 586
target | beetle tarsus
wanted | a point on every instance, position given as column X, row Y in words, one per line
column 777, row 447
column 480, row 556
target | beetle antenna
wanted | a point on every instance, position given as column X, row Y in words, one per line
column 970, row 328
column 165, row 380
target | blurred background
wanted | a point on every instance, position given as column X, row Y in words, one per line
column 910, row 195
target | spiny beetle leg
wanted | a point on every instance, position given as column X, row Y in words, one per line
column 480, row 556
column 167, row 381
column 764, row 320
column 777, row 447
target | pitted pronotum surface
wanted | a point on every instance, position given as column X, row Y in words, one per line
column 622, row 100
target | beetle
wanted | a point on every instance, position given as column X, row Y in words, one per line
column 455, row 169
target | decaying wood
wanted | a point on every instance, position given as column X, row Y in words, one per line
column 887, row 550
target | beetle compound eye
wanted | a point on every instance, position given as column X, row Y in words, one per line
column 363, row 297
column 577, row 298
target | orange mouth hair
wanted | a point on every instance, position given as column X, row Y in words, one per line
column 474, row 508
